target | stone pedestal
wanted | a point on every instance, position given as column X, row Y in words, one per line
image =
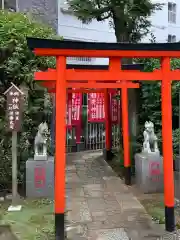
column 40, row 157
column 149, row 172
column 40, row 178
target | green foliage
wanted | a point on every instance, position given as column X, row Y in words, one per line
column 129, row 18
column 17, row 65
column 36, row 214
column 151, row 103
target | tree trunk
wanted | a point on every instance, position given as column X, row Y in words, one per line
column 122, row 35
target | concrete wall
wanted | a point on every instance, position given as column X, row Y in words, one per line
column 161, row 28
column 46, row 10
column 174, row 29
column 72, row 28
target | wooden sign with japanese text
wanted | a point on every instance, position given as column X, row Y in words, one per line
column 14, row 108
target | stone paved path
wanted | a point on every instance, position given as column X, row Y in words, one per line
column 100, row 207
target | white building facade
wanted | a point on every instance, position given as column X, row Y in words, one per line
column 73, row 29
column 165, row 25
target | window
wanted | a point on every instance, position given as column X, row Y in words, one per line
column 171, row 12
column 171, row 38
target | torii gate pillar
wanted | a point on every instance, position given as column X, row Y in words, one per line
column 167, row 144
column 60, row 152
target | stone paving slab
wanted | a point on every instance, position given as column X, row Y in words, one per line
column 108, row 234
column 100, row 207
column 79, row 212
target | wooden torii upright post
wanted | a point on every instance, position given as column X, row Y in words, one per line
column 67, row 78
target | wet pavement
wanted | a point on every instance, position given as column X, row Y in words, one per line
column 100, row 207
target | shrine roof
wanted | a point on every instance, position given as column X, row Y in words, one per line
column 77, row 45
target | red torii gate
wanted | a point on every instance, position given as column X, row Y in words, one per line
column 47, row 79
column 67, row 78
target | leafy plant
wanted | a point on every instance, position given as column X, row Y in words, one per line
column 17, row 65
column 130, row 19
column 150, row 107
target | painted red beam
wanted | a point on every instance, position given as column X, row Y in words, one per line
column 105, row 75
column 48, row 84
column 99, row 85
column 51, row 74
column 82, row 90
column 175, row 74
column 105, row 53
column 51, row 86
column 45, row 76
column 90, row 70
column 73, row 75
column 102, row 85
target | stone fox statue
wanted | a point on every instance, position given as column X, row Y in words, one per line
column 150, row 139
column 41, row 139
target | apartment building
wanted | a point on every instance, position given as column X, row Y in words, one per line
column 165, row 23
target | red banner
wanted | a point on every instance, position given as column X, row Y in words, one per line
column 96, row 107
column 76, row 114
column 119, row 109
column 76, row 108
column 115, row 109
column 69, row 111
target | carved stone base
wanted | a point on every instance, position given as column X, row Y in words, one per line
column 149, row 172
column 40, row 178
column 40, row 157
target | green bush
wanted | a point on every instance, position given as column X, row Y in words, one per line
column 17, row 65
